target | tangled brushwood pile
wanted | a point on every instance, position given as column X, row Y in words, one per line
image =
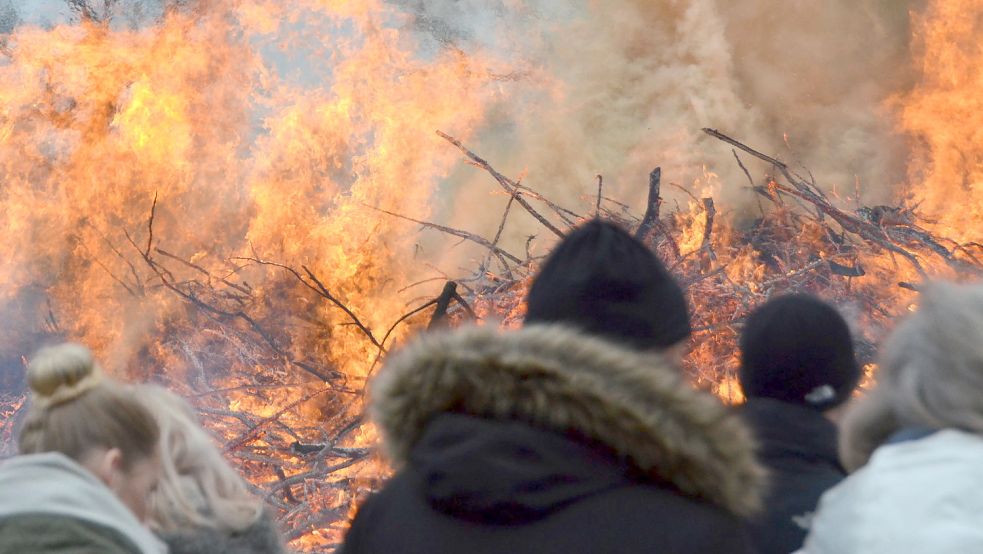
column 868, row 259
column 254, row 357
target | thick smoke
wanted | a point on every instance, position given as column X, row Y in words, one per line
column 620, row 86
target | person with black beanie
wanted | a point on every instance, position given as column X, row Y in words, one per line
column 576, row 433
column 797, row 369
column 604, row 282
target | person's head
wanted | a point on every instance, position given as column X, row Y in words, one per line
column 798, row 349
column 93, row 420
column 198, row 487
column 603, row 281
column 930, row 374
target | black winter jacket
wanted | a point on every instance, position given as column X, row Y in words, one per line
column 798, row 446
column 545, row 440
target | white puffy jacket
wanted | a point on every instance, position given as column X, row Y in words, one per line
column 921, row 496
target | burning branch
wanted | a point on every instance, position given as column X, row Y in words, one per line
column 461, row 234
column 510, row 186
column 291, row 420
column 813, row 195
column 769, row 258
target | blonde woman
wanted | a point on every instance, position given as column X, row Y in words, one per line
column 916, row 441
column 88, row 462
column 201, row 504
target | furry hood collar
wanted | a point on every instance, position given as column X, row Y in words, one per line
column 558, row 379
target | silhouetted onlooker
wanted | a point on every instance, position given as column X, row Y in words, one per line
column 915, row 442
column 202, row 505
column 88, row 462
column 797, row 368
column 576, row 433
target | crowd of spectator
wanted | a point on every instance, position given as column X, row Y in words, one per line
column 578, row 432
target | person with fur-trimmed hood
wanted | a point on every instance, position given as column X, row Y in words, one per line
column 577, row 433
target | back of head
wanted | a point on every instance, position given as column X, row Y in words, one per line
column 603, row 281
column 198, row 487
column 798, row 349
column 74, row 409
column 930, row 375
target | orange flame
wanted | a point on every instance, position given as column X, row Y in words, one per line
column 260, row 129
column 944, row 114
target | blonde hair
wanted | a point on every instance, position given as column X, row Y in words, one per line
column 74, row 409
column 931, row 374
column 198, row 487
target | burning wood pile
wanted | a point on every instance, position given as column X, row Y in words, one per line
column 868, row 260
column 205, row 218
column 294, row 423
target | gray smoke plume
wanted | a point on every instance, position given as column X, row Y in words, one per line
column 620, row 86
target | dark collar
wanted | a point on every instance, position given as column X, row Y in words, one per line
column 785, row 429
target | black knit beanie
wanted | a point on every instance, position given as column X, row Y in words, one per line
column 603, row 281
column 798, row 349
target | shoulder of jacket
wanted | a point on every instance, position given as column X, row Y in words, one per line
column 30, row 532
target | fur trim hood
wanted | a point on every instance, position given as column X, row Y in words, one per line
column 559, row 379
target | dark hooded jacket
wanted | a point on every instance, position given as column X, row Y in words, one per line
column 797, row 444
column 546, row 440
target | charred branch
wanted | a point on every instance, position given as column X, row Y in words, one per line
column 443, row 302
column 846, row 271
column 651, row 217
column 711, row 212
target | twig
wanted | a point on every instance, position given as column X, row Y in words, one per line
column 455, row 232
column 319, row 288
column 504, row 181
column 651, row 216
column 569, row 217
column 203, row 271
column 600, row 190
column 331, row 298
column 744, row 169
column 711, row 211
column 253, row 434
column 150, row 226
column 498, row 237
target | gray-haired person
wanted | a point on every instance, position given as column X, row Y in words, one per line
column 915, row 442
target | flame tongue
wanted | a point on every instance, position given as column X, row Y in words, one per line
column 140, row 168
column 944, row 114
column 194, row 199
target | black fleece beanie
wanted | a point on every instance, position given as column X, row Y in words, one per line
column 603, row 281
column 798, row 349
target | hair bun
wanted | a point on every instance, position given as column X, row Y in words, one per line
column 61, row 373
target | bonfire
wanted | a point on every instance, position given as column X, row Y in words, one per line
column 249, row 241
